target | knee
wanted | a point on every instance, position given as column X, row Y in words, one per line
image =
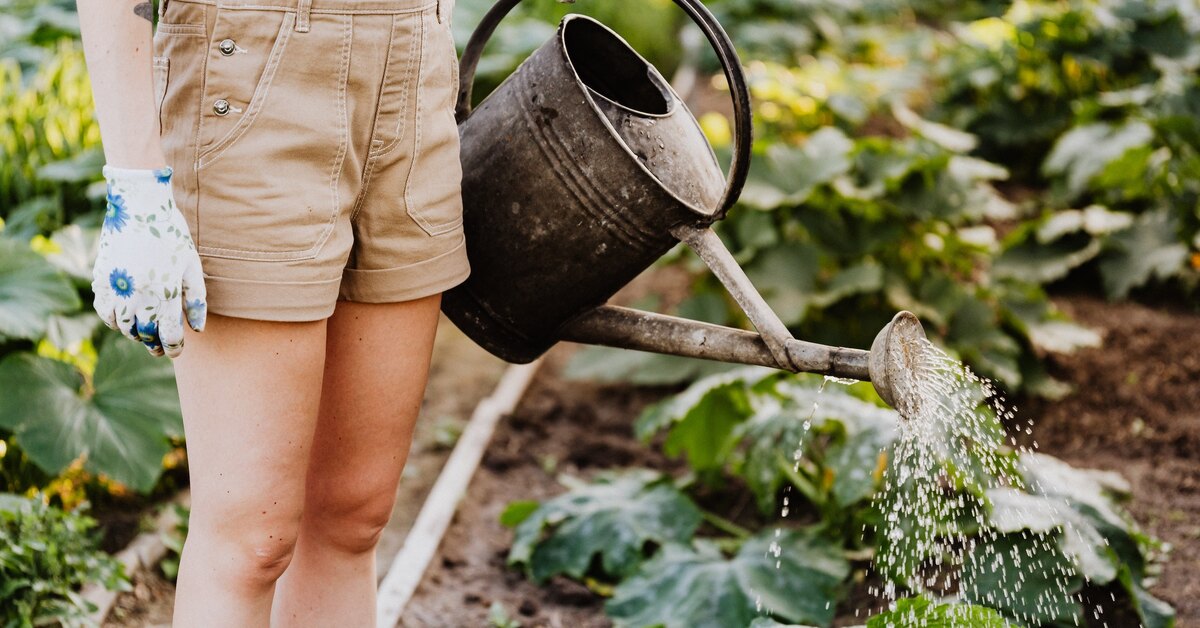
column 350, row 520
column 249, row 555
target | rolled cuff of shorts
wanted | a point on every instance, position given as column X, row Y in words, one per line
column 407, row 283
column 285, row 301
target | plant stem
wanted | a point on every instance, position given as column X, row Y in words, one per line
column 724, row 525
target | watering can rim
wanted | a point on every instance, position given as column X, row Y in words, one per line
column 674, row 101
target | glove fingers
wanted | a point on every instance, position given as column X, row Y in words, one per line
column 195, row 296
column 147, row 332
column 170, row 328
column 126, row 322
column 104, row 306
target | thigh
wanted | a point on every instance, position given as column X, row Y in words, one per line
column 377, row 362
column 250, row 391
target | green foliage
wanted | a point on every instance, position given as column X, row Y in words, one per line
column 920, row 612
column 1045, row 529
column 173, row 540
column 119, row 417
column 615, row 518
column 791, row 575
column 49, row 144
column 46, row 555
column 32, row 291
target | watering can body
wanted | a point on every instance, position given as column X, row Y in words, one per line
column 575, row 170
column 584, row 167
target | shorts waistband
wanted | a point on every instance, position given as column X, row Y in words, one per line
column 305, row 7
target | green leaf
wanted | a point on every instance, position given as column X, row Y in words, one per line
column 920, row 612
column 1023, row 575
column 517, row 511
column 615, row 518
column 786, row 277
column 1151, row 249
column 786, row 175
column 1084, row 151
column 30, row 291
column 121, row 428
column 76, row 251
column 795, row 576
column 1153, row 612
column 702, row 418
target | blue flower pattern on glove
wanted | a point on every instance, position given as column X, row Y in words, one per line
column 115, row 215
column 121, row 282
column 147, row 278
column 196, row 311
column 163, row 175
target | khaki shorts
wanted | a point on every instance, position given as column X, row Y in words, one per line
column 314, row 148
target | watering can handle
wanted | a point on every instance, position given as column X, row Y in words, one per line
column 717, row 38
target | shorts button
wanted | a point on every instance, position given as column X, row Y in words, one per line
column 221, row 106
column 226, row 46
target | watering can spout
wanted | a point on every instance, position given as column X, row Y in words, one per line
column 893, row 365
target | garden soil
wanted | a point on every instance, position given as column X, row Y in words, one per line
column 1135, row 409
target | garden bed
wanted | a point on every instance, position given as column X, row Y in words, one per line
column 1135, row 411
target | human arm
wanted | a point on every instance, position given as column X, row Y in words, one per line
column 147, row 277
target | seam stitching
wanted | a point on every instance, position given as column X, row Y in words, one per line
column 413, row 54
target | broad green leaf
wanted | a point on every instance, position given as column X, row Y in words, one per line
column 120, row 427
column 787, row 175
column 1014, row 511
column 1024, row 576
column 920, row 612
column 1083, row 152
column 728, row 390
column 1149, row 250
column 1153, row 612
column 850, row 436
column 74, row 251
column 30, row 291
column 786, row 277
column 616, row 518
column 1045, row 263
column 795, row 576
column 1059, row 336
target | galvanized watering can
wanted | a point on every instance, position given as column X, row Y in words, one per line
column 580, row 170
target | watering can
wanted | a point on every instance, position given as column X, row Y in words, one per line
column 580, row 170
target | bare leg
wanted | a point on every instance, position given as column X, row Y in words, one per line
column 376, row 368
column 250, row 392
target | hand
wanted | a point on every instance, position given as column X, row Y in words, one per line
column 147, row 275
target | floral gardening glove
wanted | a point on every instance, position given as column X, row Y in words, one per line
column 147, row 274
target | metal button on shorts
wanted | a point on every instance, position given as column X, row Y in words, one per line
column 314, row 148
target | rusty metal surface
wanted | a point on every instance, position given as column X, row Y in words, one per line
column 559, row 213
column 627, row 328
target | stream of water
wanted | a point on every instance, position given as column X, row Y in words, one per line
column 933, row 530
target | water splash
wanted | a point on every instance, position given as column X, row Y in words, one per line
column 936, row 535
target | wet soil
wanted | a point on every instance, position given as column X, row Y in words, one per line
column 1135, row 409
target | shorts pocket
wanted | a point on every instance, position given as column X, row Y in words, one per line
column 433, row 191
column 269, row 167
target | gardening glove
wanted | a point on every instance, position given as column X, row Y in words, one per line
column 147, row 275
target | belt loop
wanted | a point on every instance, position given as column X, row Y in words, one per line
column 303, row 7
